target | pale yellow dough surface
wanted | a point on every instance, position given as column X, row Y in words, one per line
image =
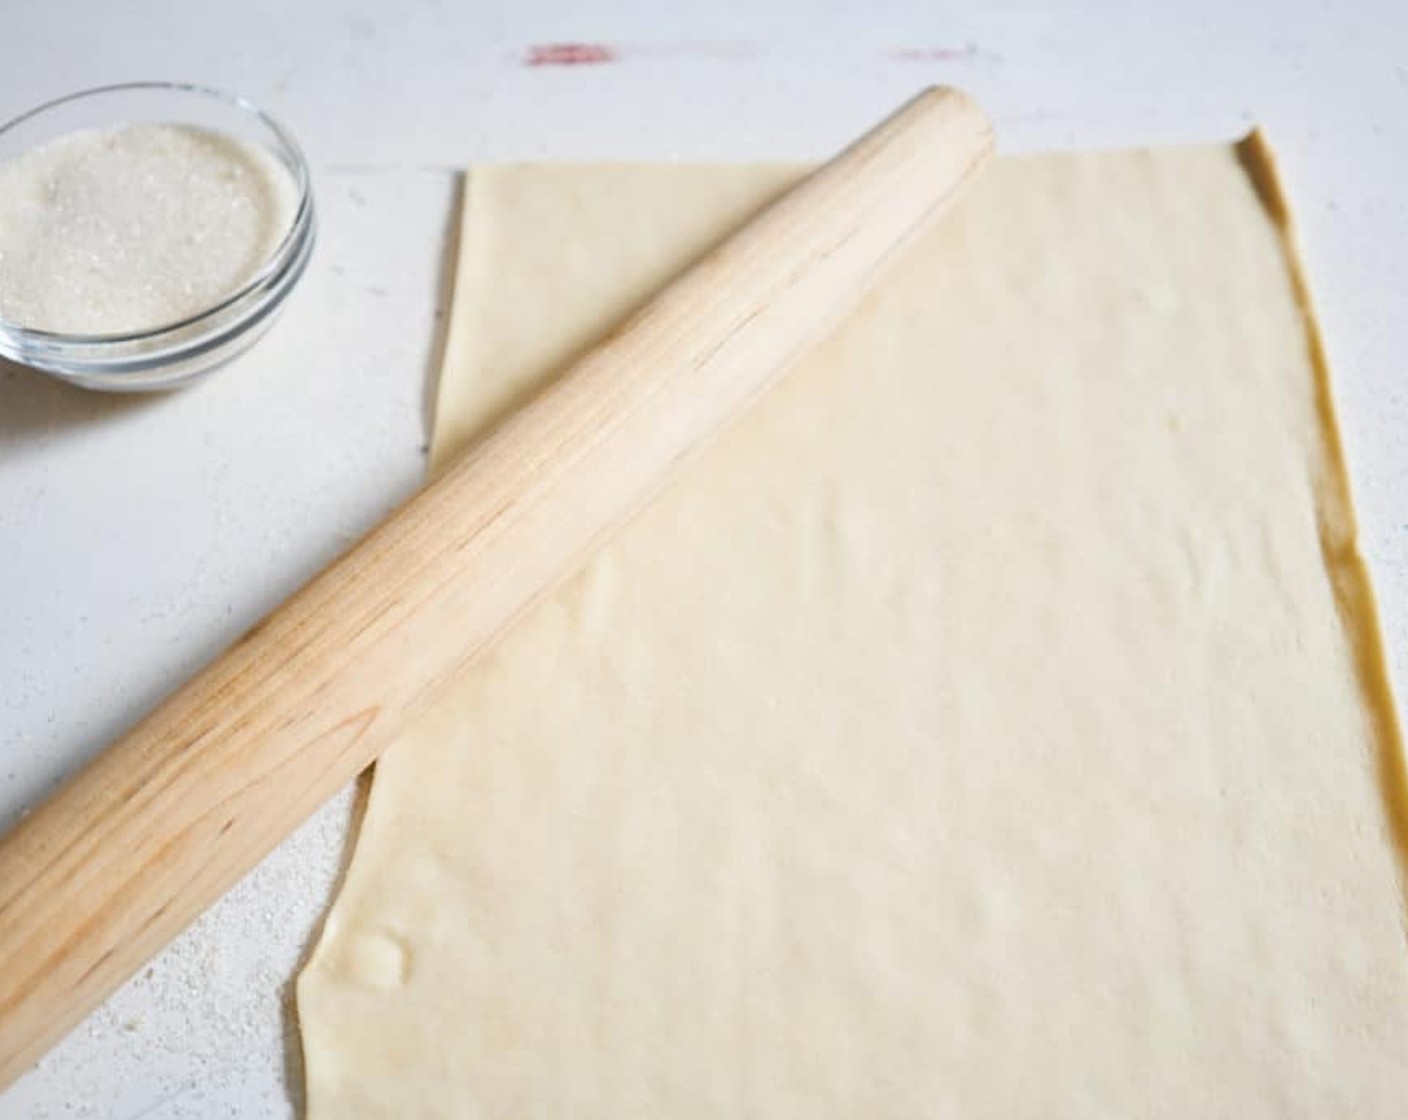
column 990, row 724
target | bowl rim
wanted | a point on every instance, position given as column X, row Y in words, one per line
column 275, row 261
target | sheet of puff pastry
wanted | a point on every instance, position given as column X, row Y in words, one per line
column 991, row 723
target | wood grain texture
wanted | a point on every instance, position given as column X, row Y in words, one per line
column 134, row 847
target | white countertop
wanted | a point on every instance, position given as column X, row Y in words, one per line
column 139, row 536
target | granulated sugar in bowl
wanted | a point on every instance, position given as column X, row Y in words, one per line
column 148, row 232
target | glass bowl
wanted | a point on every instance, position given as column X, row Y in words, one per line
column 179, row 352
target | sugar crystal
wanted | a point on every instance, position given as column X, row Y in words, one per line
column 105, row 232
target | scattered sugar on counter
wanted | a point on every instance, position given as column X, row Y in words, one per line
column 108, row 232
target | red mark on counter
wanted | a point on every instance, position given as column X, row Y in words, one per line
column 569, row 54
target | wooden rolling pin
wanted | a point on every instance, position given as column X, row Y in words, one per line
column 126, row 854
